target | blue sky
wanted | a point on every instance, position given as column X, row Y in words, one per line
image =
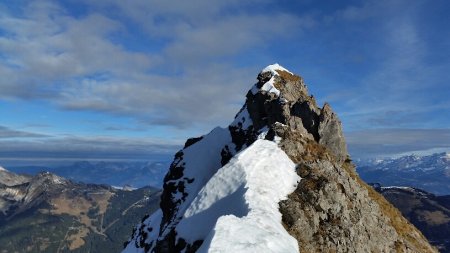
column 134, row 79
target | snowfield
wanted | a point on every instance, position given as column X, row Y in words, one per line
column 237, row 210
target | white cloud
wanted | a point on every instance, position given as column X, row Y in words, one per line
column 185, row 73
column 387, row 142
column 47, row 50
column 77, row 63
column 70, row 147
column 229, row 36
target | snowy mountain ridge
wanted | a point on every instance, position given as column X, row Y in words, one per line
column 412, row 161
column 429, row 172
column 240, row 203
column 195, row 191
column 238, row 189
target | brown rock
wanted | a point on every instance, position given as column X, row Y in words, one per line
column 331, row 210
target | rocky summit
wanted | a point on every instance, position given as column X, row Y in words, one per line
column 278, row 179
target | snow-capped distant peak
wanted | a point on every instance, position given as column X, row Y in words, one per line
column 378, row 161
column 54, row 179
column 57, row 179
column 398, row 187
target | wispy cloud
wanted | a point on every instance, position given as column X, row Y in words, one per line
column 75, row 147
column 381, row 64
column 8, row 133
column 388, row 142
column 397, row 91
column 80, row 63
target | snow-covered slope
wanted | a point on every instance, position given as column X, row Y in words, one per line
column 208, row 198
column 240, row 204
column 9, row 179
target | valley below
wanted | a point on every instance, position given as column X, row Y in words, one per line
column 48, row 213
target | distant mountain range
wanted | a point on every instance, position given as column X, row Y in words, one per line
column 428, row 212
column 431, row 173
column 132, row 174
column 48, row 213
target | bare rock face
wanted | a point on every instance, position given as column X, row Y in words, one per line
column 296, row 109
column 331, row 210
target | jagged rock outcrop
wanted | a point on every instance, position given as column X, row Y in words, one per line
column 331, row 210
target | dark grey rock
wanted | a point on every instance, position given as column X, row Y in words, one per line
column 299, row 111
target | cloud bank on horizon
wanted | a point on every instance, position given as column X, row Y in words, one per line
column 161, row 71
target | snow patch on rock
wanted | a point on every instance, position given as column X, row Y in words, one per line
column 242, row 119
column 274, row 67
column 269, row 85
